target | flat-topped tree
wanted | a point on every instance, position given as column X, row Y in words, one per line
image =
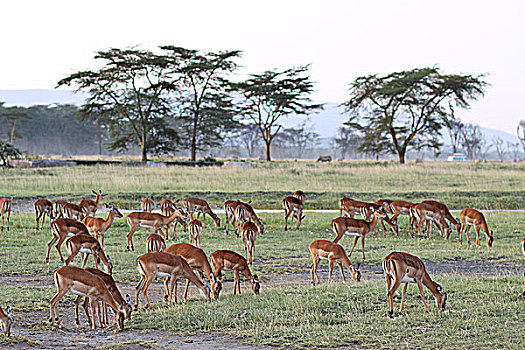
column 271, row 95
column 410, row 107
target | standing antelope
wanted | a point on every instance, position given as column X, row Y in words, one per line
column 91, row 206
column 156, row 221
column 72, row 210
column 81, row 282
column 155, row 243
column 249, row 235
column 43, row 207
column 61, row 229
column 86, row 244
column 123, row 303
column 292, row 205
column 474, row 217
column 5, row 209
column 446, row 213
column 333, row 252
column 57, row 208
column 6, row 321
column 147, row 204
column 355, row 227
column 229, row 210
column 227, row 259
column 430, row 213
column 195, row 229
column 167, row 207
column 300, row 195
column 403, row 208
column 197, row 205
column 244, row 212
column 406, row 268
column 99, row 226
column 159, row 265
column 196, row 258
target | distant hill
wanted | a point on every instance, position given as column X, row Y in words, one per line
column 325, row 122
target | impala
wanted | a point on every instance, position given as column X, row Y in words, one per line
column 72, row 210
column 446, row 213
column 123, row 303
column 229, row 211
column 159, row 265
column 5, row 209
column 352, row 207
column 167, row 207
column 147, row 204
column 195, row 229
column 227, row 259
column 355, row 227
column 155, row 243
column 197, row 205
column 430, row 213
column 6, row 321
column 249, row 235
column 43, row 207
column 86, row 244
column 57, row 208
column 403, row 208
column 474, row 217
column 300, row 195
column 406, row 268
column 89, row 205
column 333, row 252
column 62, row 229
column 144, row 219
column 196, row 258
column 292, row 205
column 81, row 282
column 99, row 226
column 244, row 212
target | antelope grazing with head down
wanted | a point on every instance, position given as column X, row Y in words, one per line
column 86, row 245
column 155, row 243
column 144, row 219
column 61, row 229
column 470, row 217
column 249, row 235
column 147, row 204
column 194, row 230
column 333, row 252
column 43, row 207
column 200, row 206
column 167, row 207
column 228, row 259
column 292, row 205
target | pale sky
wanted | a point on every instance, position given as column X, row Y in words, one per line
column 44, row 41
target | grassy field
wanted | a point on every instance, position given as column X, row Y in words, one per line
column 485, row 309
column 491, row 185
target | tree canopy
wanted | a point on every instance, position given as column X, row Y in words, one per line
column 410, row 107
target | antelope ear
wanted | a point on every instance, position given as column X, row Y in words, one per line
column 93, row 191
column 8, row 311
column 128, row 299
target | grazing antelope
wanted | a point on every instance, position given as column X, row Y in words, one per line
column 385, row 205
column 123, row 303
column 355, row 227
column 403, row 208
column 156, row 221
column 446, row 213
column 474, row 217
column 195, row 229
column 167, row 207
column 229, row 211
column 196, row 258
column 99, row 226
column 72, row 210
column 430, row 213
column 86, row 244
column 155, row 243
column 292, row 205
column 84, row 283
column 6, row 321
column 147, row 204
column 197, row 205
column 352, row 207
column 159, row 265
column 89, row 205
column 244, row 212
column 406, row 268
column 57, row 208
column 61, row 229
column 333, row 252
column 300, row 195
column 5, row 210
column 249, row 235
column 227, row 259
column 43, row 207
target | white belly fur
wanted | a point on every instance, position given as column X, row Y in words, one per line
column 354, row 234
column 162, row 274
column 145, row 225
column 85, row 250
column 407, row 279
column 76, row 292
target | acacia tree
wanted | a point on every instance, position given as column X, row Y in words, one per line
column 248, row 136
column 130, row 94
column 455, row 131
column 412, row 105
column 346, row 137
column 12, row 116
column 301, row 137
column 7, row 150
column 267, row 97
column 205, row 109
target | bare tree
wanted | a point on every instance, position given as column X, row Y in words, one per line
column 301, row 138
column 521, row 133
column 346, row 140
column 514, row 150
column 455, row 131
column 500, row 147
column 472, row 140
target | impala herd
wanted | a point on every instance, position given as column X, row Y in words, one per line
column 85, row 235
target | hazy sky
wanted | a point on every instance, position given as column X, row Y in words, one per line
column 44, row 41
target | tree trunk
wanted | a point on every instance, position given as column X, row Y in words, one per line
column 401, row 155
column 267, row 146
column 194, row 138
column 144, row 153
column 99, row 136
